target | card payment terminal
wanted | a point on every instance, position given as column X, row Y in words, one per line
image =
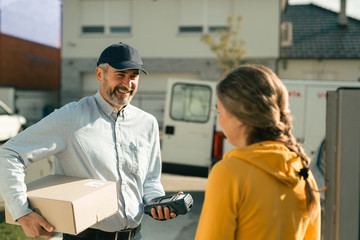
column 179, row 203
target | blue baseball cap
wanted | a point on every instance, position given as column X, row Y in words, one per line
column 121, row 56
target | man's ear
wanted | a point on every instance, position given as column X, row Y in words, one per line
column 99, row 74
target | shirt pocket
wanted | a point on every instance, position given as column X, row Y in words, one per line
column 139, row 158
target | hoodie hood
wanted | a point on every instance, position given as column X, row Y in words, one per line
column 273, row 158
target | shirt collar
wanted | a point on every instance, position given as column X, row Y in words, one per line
column 105, row 107
column 108, row 109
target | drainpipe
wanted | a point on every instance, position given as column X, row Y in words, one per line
column 342, row 20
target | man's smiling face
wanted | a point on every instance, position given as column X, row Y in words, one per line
column 118, row 86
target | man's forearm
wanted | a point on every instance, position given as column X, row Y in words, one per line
column 12, row 186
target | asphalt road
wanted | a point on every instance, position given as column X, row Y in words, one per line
column 182, row 227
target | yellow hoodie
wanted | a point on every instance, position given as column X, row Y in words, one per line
column 255, row 192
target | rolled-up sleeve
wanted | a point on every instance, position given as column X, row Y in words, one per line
column 12, row 186
column 37, row 142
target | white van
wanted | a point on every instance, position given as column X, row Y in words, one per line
column 191, row 136
column 10, row 123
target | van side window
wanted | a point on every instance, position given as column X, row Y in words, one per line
column 190, row 102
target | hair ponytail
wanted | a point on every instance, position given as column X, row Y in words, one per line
column 311, row 193
column 291, row 143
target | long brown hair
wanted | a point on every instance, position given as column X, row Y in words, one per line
column 257, row 97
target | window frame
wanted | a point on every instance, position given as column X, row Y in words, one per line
column 286, row 34
column 107, row 27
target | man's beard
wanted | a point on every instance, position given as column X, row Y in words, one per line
column 122, row 100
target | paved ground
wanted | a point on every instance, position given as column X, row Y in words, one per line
column 184, row 226
column 175, row 183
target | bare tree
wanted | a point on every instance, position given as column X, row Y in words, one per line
column 226, row 44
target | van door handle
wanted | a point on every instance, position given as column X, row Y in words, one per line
column 170, row 130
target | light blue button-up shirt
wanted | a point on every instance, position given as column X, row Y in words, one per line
column 90, row 139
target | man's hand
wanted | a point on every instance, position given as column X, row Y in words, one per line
column 162, row 214
column 34, row 225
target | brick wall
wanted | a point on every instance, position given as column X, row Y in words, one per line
column 28, row 65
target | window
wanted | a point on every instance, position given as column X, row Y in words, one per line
column 214, row 29
column 203, row 16
column 92, row 16
column 190, row 103
column 191, row 16
column 105, row 17
column 93, row 29
column 119, row 16
column 120, row 29
column 286, row 34
column 190, row 29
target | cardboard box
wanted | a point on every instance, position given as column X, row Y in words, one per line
column 71, row 204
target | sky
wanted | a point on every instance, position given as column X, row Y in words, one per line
column 40, row 20
column 34, row 20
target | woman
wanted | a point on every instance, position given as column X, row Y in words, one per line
column 262, row 189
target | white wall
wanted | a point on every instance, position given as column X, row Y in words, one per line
column 154, row 82
column 329, row 70
column 155, row 31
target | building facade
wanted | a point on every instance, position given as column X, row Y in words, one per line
column 167, row 34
